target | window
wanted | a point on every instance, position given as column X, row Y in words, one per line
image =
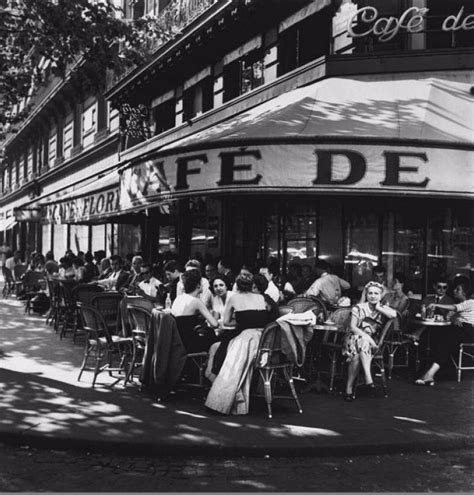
column 303, row 42
column 52, row 150
column 29, row 165
column 198, row 98
column 68, row 135
column 164, row 116
column 114, row 117
column 244, row 74
column 89, row 125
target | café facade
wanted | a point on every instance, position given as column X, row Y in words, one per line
column 359, row 157
column 293, row 129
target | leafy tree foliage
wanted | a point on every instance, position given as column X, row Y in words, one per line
column 77, row 38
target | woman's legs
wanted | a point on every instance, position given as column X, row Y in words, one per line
column 352, row 372
column 431, row 372
column 366, row 361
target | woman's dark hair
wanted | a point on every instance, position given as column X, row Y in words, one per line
column 66, row 262
column 244, row 283
column 88, row 258
column 260, row 282
column 77, row 261
column 466, row 288
column 219, row 277
column 190, row 279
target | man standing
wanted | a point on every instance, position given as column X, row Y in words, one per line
column 11, row 262
column 327, row 286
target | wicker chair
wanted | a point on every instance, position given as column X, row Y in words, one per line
column 8, row 282
column 140, row 319
column 108, row 303
column 101, row 347
column 271, row 360
column 83, row 293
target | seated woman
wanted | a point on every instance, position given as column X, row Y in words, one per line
column 444, row 341
column 220, row 294
column 229, row 393
column 397, row 298
column 190, row 311
column 366, row 321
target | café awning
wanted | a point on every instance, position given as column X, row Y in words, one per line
column 94, row 202
column 398, row 136
column 7, row 223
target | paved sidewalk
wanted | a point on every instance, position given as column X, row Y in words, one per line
column 42, row 404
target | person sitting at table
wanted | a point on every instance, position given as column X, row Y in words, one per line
column 172, row 271
column 378, row 275
column 327, row 286
column 247, row 312
column 444, row 341
column 260, row 285
column 79, row 270
column 366, row 322
column 440, row 296
column 190, row 311
column 135, row 276
column 117, row 277
column 397, row 298
column 149, row 287
column 66, row 270
column 91, row 270
column 220, row 294
column 205, row 294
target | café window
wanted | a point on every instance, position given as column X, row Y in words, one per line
column 52, row 148
column 244, row 74
column 113, row 117
column 198, row 98
column 164, row 116
column 89, row 125
column 205, row 213
column 68, row 139
column 303, row 42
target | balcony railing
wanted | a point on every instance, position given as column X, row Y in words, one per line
column 179, row 13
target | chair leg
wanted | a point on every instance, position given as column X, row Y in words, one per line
column 391, row 358
column 98, row 359
column 384, row 380
column 87, row 351
column 289, row 376
column 267, row 389
column 332, row 371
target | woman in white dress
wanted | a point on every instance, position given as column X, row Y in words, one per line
column 230, row 390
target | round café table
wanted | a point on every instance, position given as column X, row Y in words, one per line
column 427, row 323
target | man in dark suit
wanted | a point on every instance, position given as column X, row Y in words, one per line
column 118, row 277
column 440, row 296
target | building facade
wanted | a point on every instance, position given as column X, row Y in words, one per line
column 295, row 129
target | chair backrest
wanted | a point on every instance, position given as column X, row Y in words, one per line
column 386, row 329
column 19, row 270
column 85, row 292
column 32, row 280
column 140, row 317
column 7, row 275
column 302, row 304
column 284, row 310
column 341, row 318
column 108, row 304
column 65, row 293
column 269, row 349
column 93, row 322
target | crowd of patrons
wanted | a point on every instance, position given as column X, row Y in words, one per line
column 235, row 303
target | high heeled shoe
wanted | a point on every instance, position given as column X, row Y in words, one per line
column 349, row 397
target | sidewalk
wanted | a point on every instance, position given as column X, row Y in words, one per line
column 42, row 404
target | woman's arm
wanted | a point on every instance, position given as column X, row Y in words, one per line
column 353, row 327
column 449, row 307
column 386, row 311
column 228, row 317
column 207, row 314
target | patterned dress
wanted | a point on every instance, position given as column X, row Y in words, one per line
column 370, row 322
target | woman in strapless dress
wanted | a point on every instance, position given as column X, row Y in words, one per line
column 233, row 360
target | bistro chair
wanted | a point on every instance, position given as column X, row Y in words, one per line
column 67, row 313
column 83, row 293
column 140, row 319
column 270, row 360
column 8, row 282
column 301, row 305
column 333, row 340
column 465, row 358
column 18, row 273
column 33, row 283
column 102, row 351
column 396, row 340
column 108, row 303
column 53, row 292
column 125, row 319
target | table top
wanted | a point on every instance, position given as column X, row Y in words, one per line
column 326, row 327
column 432, row 323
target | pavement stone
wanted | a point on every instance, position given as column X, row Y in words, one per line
column 43, row 405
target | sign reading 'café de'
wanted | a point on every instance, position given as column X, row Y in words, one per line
column 412, row 20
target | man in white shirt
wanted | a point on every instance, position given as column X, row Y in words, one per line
column 10, row 263
column 149, row 287
column 327, row 286
column 272, row 289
